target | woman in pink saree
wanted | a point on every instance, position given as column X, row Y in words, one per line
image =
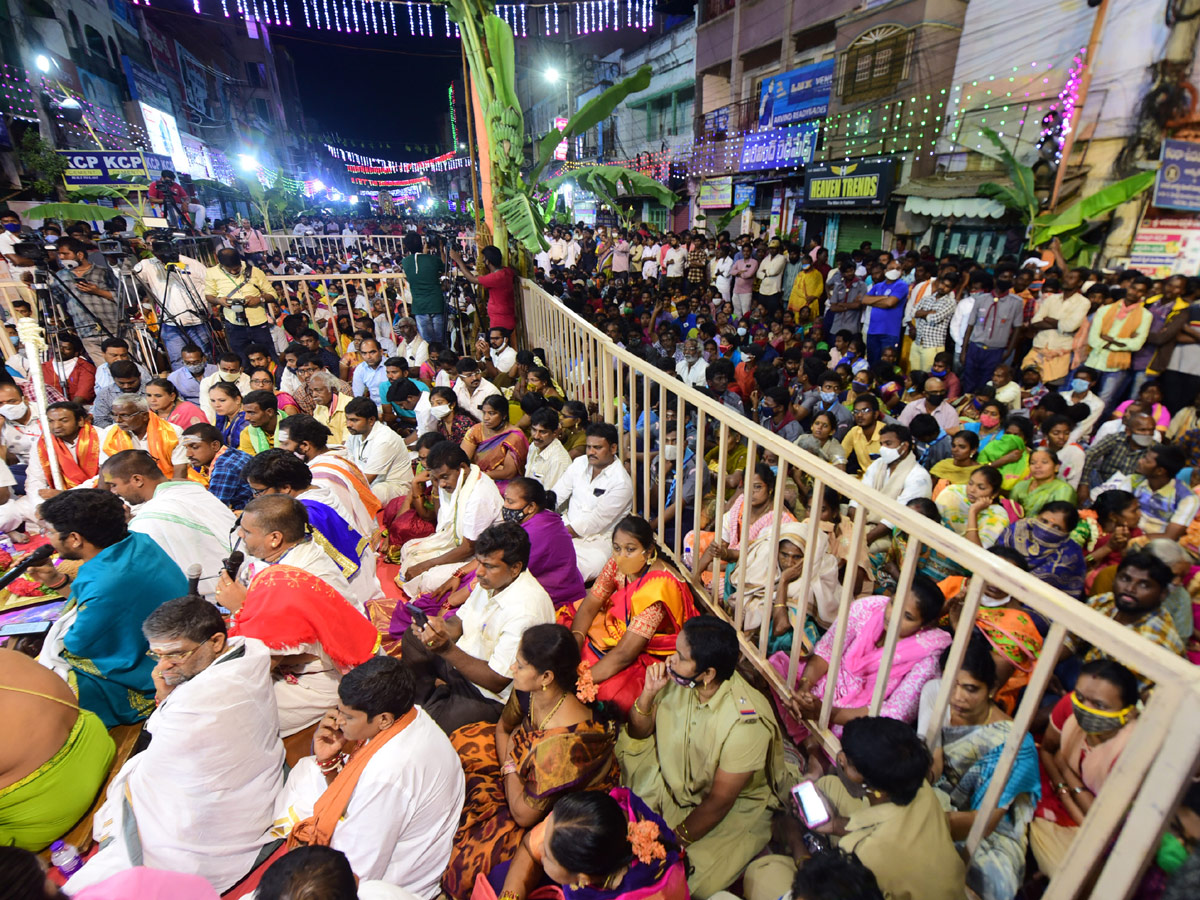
column 916, row 661
column 498, row 448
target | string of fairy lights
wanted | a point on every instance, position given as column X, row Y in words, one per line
column 391, row 17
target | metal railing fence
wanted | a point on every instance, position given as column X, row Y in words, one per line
column 1123, row 828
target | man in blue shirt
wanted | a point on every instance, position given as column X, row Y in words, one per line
column 886, row 299
column 371, row 372
column 187, row 377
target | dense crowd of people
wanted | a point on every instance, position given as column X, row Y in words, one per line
column 393, row 619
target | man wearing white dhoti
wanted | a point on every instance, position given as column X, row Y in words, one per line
column 470, row 503
column 393, row 805
column 187, row 521
column 598, row 493
column 308, row 438
column 201, row 797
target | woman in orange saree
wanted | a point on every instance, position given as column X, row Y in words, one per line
column 546, row 744
column 632, row 615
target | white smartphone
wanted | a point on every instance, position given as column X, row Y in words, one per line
column 810, row 804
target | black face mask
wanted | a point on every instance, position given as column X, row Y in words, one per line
column 932, row 400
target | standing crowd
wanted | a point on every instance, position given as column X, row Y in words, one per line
column 394, row 621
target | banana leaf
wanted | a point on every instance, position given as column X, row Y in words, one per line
column 503, row 54
column 1092, row 206
column 525, row 220
column 590, row 114
column 68, row 211
column 100, row 191
column 610, row 178
column 723, row 222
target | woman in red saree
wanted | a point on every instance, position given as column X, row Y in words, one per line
column 546, row 744
column 632, row 615
column 498, row 448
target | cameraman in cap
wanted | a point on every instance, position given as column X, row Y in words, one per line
column 178, row 297
column 243, row 291
column 173, row 197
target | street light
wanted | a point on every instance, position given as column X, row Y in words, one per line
column 248, row 162
column 552, row 75
column 42, row 62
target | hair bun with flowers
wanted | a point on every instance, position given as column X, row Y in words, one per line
column 643, row 837
column 585, row 685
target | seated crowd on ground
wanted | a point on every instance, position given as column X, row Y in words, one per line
column 397, row 622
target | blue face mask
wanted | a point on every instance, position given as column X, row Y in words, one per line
column 828, row 396
column 51, row 238
column 12, row 226
column 1080, row 385
column 774, row 470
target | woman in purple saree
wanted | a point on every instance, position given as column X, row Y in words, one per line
column 551, row 557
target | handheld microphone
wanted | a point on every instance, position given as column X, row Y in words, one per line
column 193, row 577
column 233, row 563
column 36, row 558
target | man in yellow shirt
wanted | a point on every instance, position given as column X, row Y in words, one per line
column 243, row 291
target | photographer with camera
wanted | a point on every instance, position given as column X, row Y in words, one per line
column 173, row 197
column 88, row 292
column 243, row 291
column 177, row 285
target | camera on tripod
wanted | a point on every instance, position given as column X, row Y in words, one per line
column 37, row 252
column 163, row 244
column 116, row 243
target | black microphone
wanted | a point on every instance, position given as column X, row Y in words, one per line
column 36, row 558
column 193, row 576
column 233, row 562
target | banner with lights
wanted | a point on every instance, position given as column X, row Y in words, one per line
column 389, row 184
column 370, row 165
column 431, row 20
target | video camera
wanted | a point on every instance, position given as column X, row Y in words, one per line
column 116, row 243
column 34, row 250
column 163, row 244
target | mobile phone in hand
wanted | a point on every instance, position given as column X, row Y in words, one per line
column 418, row 615
column 810, row 804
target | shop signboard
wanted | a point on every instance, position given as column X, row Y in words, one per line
column 1177, row 185
column 560, row 152
column 780, row 147
column 147, row 86
column 743, row 193
column 195, row 80
column 1166, row 246
column 716, row 193
column 861, row 184
column 164, row 136
column 796, row 95
column 110, row 168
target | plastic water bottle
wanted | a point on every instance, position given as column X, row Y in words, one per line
column 65, row 857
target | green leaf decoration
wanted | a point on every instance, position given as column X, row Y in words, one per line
column 503, row 53
column 525, row 220
column 67, row 211
column 1093, row 206
column 612, row 180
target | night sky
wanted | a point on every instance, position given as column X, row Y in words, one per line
column 372, row 87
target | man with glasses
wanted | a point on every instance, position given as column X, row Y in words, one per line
column 98, row 644
column 181, row 516
column 136, row 428
column 201, row 797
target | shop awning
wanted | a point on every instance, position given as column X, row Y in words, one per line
column 958, row 207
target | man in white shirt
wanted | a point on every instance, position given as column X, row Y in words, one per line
column 188, row 522
column 412, row 346
column 1057, row 319
column 558, row 251
column 770, row 270
column 19, row 428
column 378, row 451
column 548, row 458
column 472, row 388
column 895, row 474
column 463, row 665
column 572, row 252
column 598, row 493
column 215, row 753
column 674, row 261
column 229, row 370
column 179, row 302
column 399, row 824
column 497, row 356
column 692, row 369
column 721, row 272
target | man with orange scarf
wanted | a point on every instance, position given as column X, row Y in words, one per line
column 134, row 428
column 384, row 784
column 313, row 633
column 1117, row 332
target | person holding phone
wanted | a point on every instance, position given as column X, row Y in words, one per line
column 882, row 810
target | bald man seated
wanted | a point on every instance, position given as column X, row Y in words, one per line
column 51, row 775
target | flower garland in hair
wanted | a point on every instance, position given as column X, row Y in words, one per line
column 585, row 687
column 643, row 837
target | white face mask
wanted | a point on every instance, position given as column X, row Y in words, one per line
column 14, row 411
column 889, row 454
column 669, row 451
column 993, row 602
column 440, row 412
column 891, row 274
column 69, row 263
column 230, row 377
